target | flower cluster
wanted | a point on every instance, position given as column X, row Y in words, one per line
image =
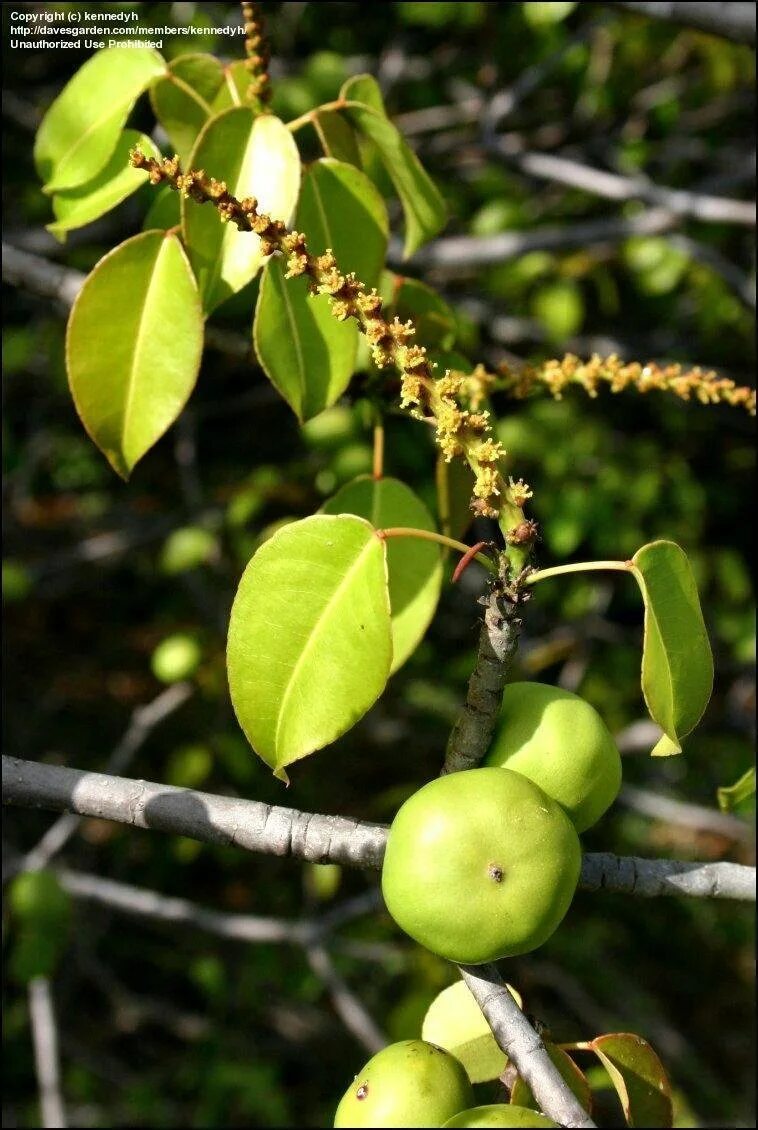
column 459, row 431
column 257, row 52
column 706, row 387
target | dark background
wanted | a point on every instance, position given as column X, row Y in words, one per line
column 166, row 1026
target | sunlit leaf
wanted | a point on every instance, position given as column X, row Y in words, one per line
column 310, row 645
column 341, row 209
column 414, row 567
column 423, row 206
column 81, row 129
column 254, row 156
column 115, row 181
column 133, row 346
column 183, row 100
column 730, row 796
column 677, row 666
column 455, row 1022
column 638, row 1076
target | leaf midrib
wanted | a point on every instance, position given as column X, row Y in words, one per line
column 132, row 379
column 368, row 546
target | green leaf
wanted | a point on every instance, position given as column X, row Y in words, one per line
column 521, row 1093
column 337, row 137
column 677, row 666
column 183, row 100
column 340, row 208
column 233, row 90
column 116, row 180
column 133, row 346
column 254, row 156
column 455, row 1022
column 730, row 796
column 306, row 354
column 81, row 129
column 310, row 647
column 164, row 211
column 414, row 567
column 455, row 488
column 423, row 206
column 638, row 1076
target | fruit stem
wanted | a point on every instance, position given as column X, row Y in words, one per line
column 441, row 539
column 577, row 567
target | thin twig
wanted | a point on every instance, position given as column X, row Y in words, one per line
column 46, row 1057
column 523, row 1046
column 253, row 826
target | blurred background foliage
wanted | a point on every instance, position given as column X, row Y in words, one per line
column 111, row 590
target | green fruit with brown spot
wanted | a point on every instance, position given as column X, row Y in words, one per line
column 499, row 1114
column 411, row 1083
column 560, row 742
column 480, row 865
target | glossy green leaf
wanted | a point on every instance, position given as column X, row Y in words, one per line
column 183, row 100
column 677, row 665
column 455, row 1022
column 340, row 208
column 133, row 346
column 337, row 137
column 81, row 129
column 254, row 156
column 310, row 646
column 233, row 90
column 521, row 1094
column 164, row 211
column 638, row 1076
column 423, row 206
column 306, row 354
column 730, row 796
column 116, row 180
column 414, row 567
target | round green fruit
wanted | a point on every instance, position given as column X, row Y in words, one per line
column 560, row 742
column 411, row 1083
column 499, row 1114
column 480, row 865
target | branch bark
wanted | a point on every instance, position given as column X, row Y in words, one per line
column 472, row 733
column 258, row 827
column 735, row 21
column 523, row 1046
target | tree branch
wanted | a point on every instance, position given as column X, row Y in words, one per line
column 258, row 827
column 523, row 1046
column 735, row 21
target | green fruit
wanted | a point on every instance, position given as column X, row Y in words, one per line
column 175, row 658
column 480, row 865
column 560, row 742
column 411, row 1083
column 499, row 1114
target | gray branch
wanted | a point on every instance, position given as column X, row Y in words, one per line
column 471, row 735
column 523, row 1046
column 735, row 21
column 258, row 827
column 46, row 1057
column 653, row 877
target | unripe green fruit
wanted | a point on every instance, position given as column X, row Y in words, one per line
column 411, row 1083
column 560, row 742
column 480, row 865
column 175, row 658
column 499, row 1114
